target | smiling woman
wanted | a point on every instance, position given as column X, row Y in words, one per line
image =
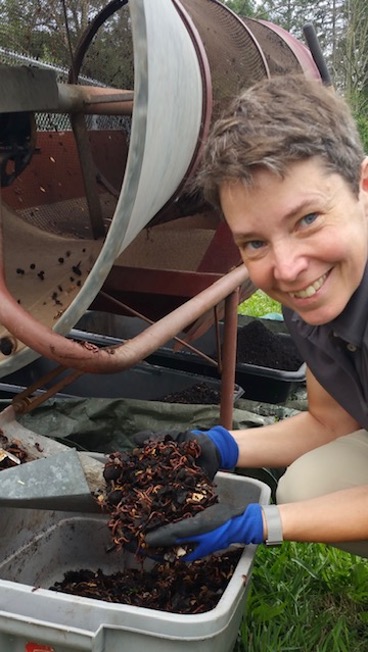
column 286, row 167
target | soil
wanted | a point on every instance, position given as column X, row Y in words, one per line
column 199, row 394
column 173, row 586
column 258, row 345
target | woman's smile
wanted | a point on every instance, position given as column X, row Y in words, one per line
column 310, row 290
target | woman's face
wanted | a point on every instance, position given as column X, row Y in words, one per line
column 303, row 239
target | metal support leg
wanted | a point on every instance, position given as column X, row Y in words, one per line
column 229, row 359
column 89, row 174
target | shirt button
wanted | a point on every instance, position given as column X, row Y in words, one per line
column 351, row 347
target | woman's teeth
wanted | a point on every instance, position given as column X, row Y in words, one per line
column 310, row 290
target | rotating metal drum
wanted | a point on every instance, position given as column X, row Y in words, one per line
column 283, row 52
column 51, row 271
column 190, row 57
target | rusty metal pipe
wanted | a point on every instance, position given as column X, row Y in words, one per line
column 93, row 100
column 218, row 339
column 25, row 402
column 135, row 313
column 229, row 357
column 50, row 344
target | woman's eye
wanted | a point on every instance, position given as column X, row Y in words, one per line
column 251, row 247
column 254, row 245
column 307, row 220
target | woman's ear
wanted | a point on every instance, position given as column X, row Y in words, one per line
column 364, row 175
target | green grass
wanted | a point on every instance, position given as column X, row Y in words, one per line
column 258, row 304
column 306, row 598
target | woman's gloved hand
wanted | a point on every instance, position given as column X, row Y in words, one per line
column 219, row 449
column 214, row 529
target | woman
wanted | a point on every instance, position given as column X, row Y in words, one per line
column 286, row 168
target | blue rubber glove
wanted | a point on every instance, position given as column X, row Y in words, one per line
column 214, row 529
column 219, row 449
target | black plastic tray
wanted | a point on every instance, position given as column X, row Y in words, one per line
column 144, row 381
column 264, row 384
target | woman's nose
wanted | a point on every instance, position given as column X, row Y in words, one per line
column 288, row 260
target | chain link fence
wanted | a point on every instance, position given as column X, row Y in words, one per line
column 61, row 122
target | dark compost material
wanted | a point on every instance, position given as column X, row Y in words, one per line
column 10, row 451
column 200, row 394
column 172, row 586
column 258, row 345
column 153, row 485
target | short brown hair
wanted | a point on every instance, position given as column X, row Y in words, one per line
column 275, row 123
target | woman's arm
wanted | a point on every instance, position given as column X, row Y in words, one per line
column 340, row 516
column 281, row 443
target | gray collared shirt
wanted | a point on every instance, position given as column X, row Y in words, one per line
column 337, row 352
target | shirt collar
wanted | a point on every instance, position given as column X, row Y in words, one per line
column 351, row 324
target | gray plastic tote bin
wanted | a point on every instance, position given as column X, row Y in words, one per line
column 38, row 547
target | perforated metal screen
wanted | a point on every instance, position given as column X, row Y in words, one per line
column 280, row 58
column 236, row 61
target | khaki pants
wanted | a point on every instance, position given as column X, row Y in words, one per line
column 340, row 464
